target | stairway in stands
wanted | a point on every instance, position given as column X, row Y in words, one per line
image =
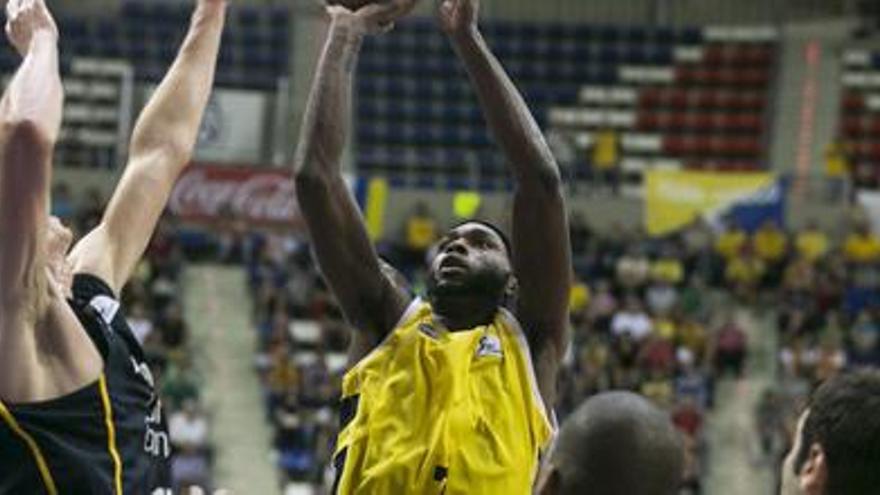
column 219, row 315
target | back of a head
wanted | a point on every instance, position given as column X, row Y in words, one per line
column 844, row 419
column 618, row 443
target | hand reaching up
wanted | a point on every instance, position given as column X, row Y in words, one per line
column 458, row 17
column 373, row 18
column 26, row 19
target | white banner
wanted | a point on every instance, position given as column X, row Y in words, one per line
column 233, row 128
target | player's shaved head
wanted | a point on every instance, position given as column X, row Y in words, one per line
column 615, row 443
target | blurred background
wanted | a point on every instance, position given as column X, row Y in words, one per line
column 722, row 161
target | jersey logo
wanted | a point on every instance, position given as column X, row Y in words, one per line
column 106, row 306
column 490, row 345
column 144, row 371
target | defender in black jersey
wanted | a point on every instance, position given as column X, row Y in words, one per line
column 79, row 412
column 108, row 437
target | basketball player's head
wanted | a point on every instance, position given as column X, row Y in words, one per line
column 616, row 443
column 837, row 444
column 472, row 260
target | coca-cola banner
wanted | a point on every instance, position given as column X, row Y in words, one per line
column 213, row 194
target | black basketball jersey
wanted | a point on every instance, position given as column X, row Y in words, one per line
column 110, row 437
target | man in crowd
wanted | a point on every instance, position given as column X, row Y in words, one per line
column 837, row 444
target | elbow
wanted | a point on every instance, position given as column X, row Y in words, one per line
column 545, row 180
column 171, row 145
column 308, row 181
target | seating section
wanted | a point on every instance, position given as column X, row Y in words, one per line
column 255, row 51
column 680, row 97
column 860, row 114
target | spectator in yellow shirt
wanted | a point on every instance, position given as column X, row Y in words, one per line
column 744, row 272
column 421, row 228
column 668, row 267
column 604, row 157
column 811, row 243
column 420, row 233
column 730, row 242
column 578, row 298
column 837, row 169
column 862, row 246
column 770, row 245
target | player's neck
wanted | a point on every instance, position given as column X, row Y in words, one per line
column 463, row 313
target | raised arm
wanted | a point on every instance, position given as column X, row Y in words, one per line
column 30, row 118
column 343, row 249
column 542, row 257
column 161, row 147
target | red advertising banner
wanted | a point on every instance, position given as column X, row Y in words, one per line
column 216, row 194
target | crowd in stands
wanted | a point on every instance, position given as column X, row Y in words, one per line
column 152, row 302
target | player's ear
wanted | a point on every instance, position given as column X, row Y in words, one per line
column 814, row 473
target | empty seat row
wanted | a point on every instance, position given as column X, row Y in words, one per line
column 701, row 122
column 719, row 146
column 702, row 98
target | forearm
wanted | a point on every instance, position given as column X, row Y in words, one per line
column 506, row 111
column 35, row 94
column 170, row 122
column 328, row 111
column 31, row 114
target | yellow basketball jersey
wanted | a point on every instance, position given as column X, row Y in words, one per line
column 431, row 411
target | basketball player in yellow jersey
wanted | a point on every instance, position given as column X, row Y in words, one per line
column 452, row 394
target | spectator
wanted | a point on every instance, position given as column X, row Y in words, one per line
column 744, row 272
column 691, row 383
column 730, row 348
column 811, row 243
column 770, row 245
column 730, row 242
column 657, row 387
column 662, row 298
column 830, row 357
column 668, row 268
column 864, row 348
column 188, row 428
column 837, row 169
column 174, row 330
column 421, row 231
column 657, row 354
column 603, row 305
column 141, row 326
column 632, row 321
column 605, row 155
column 63, row 206
column 633, row 269
column 862, row 246
column 769, row 423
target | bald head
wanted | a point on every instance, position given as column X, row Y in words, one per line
column 615, row 443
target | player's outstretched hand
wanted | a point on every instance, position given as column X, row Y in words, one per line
column 26, row 19
column 458, row 17
column 373, row 18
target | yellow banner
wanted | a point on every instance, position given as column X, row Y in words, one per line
column 674, row 198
